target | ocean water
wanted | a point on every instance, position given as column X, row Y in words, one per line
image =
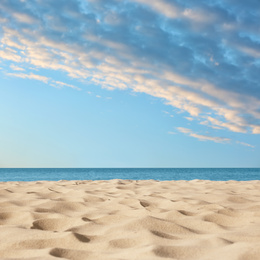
column 55, row 174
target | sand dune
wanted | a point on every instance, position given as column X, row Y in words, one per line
column 124, row 219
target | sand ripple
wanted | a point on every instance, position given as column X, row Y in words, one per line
column 124, row 219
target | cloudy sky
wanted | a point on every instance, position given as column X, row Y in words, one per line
column 129, row 83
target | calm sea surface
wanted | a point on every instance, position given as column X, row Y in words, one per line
column 55, row 174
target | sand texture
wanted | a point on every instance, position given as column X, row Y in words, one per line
column 122, row 219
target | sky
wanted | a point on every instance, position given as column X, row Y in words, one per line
column 129, row 83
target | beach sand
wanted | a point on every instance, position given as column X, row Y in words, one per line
column 128, row 219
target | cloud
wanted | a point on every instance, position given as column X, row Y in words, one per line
column 163, row 7
column 210, row 138
column 256, row 129
column 201, row 57
column 13, row 67
column 184, row 130
column 23, row 18
column 245, row 144
column 203, row 137
column 62, row 84
column 9, row 54
column 29, row 76
column 240, row 128
column 46, row 80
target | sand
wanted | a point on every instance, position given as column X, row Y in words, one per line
column 122, row 219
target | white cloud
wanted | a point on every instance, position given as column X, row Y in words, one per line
column 250, row 51
column 168, row 58
column 245, row 144
column 184, row 130
column 198, row 15
column 240, row 128
column 183, row 96
column 24, row 18
column 255, row 129
column 206, row 123
column 203, row 137
column 61, row 84
column 44, row 79
column 163, row 7
column 11, row 43
column 13, row 67
column 7, row 54
column 210, row 138
column 29, row 76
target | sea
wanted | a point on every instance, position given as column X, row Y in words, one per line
column 161, row 174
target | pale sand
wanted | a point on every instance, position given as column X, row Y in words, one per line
column 121, row 219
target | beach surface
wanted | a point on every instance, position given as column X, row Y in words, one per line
column 128, row 219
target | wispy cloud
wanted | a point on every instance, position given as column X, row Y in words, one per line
column 199, row 57
column 163, row 7
column 8, row 54
column 13, row 67
column 203, row 137
column 184, row 130
column 245, row 144
column 62, row 84
column 29, row 76
column 46, row 80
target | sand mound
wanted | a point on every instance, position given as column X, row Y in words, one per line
column 123, row 219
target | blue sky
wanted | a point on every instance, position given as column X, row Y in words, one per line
column 137, row 83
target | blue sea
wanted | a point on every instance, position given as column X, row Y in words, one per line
column 55, row 174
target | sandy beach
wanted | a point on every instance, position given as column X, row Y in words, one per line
column 127, row 219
